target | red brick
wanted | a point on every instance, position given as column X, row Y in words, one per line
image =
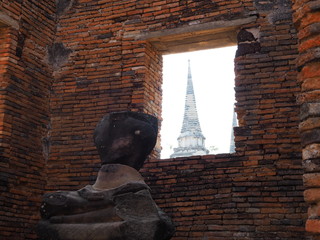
column 312, row 195
column 108, row 70
column 311, row 179
column 313, row 225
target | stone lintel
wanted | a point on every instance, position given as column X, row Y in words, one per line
column 195, row 37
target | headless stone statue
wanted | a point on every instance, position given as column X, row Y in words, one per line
column 118, row 206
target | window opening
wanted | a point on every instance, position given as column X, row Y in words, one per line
column 212, row 73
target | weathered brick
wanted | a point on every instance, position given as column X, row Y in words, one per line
column 25, row 87
column 313, row 225
column 312, row 195
column 309, row 110
column 311, row 165
column 314, row 211
column 255, row 193
column 311, row 151
column 311, row 136
column 311, row 180
column 309, row 124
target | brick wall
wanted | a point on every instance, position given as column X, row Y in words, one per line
column 67, row 63
column 225, row 197
column 111, row 67
column 306, row 18
column 104, row 72
column 26, row 29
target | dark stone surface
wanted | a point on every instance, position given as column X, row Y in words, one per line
column 309, row 110
column 58, row 54
column 268, row 5
column 242, row 131
column 63, row 5
column 244, row 36
column 304, row 111
column 279, row 14
column 263, row 5
column 20, row 44
column 248, row 48
column 104, row 36
column 309, row 137
column 247, row 43
column 311, row 165
column 126, row 138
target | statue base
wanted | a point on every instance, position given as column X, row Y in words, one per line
column 118, row 206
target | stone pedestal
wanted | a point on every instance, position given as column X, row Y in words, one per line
column 118, row 206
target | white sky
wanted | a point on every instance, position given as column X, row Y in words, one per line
column 213, row 81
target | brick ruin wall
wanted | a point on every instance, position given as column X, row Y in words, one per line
column 26, row 29
column 64, row 64
column 306, row 18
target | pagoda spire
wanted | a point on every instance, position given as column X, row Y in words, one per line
column 190, row 118
column 191, row 140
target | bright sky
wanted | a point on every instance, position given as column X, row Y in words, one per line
column 213, row 81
